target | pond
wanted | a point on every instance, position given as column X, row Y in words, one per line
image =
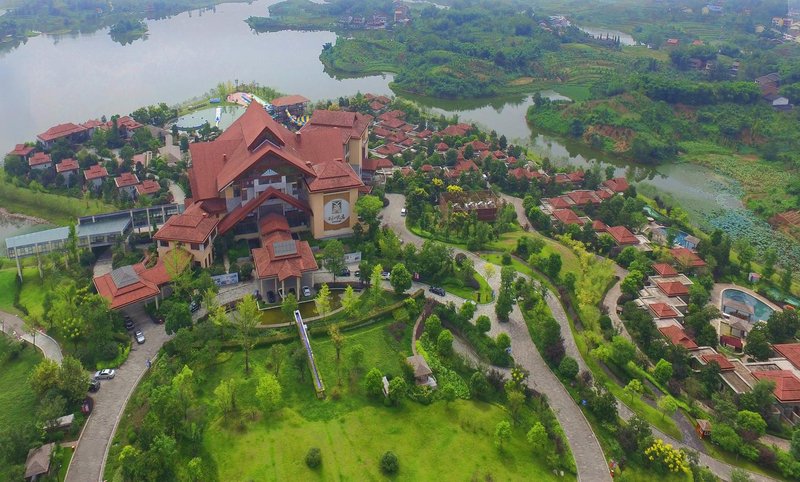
column 274, row 316
column 600, row 32
column 11, row 226
column 731, row 297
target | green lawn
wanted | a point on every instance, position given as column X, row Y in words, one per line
column 8, row 287
column 64, row 458
column 17, row 400
column 32, row 294
column 456, row 287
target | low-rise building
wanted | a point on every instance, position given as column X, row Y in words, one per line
column 126, row 183
column 282, row 263
column 68, row 168
column 40, row 161
column 95, row 176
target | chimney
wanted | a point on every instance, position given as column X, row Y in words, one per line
column 308, row 163
column 224, row 158
column 297, row 136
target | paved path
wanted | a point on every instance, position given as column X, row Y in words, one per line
column 88, row 462
column 178, row 196
column 589, row 458
column 15, row 327
column 103, row 264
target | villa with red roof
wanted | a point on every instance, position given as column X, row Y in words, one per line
column 678, row 337
column 282, row 263
column 258, row 168
column 148, row 187
column 95, row 175
column 567, row 217
column 69, row 131
column 661, row 311
column 673, row 288
column 622, row 236
column 40, row 161
column 126, row 182
column 664, row 270
column 22, row 151
column 136, row 283
column 68, row 168
column 687, row 258
column 616, row 185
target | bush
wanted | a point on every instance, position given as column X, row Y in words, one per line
column 314, row 458
column 389, row 463
column 506, row 259
column 568, row 368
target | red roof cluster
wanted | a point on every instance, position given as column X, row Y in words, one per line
column 457, row 130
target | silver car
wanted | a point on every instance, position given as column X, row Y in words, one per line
column 139, row 337
column 105, row 374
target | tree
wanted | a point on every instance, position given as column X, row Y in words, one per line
column 337, row 339
column 568, row 368
column 196, row 470
column 782, row 326
column 740, row 475
column 770, row 257
column 349, row 300
column 795, row 445
column 622, row 351
column 786, row 280
column 504, row 305
column 516, row 400
column 225, row 395
column 537, row 437
column 375, row 288
column 368, row 208
column 333, row 257
column 397, row 389
column 553, row 266
column 72, row 379
column 631, row 284
column 662, row 371
column 479, row 386
column 183, row 384
column 44, row 377
column 750, row 425
column 289, row 305
column 759, row 399
column 269, row 392
column 757, row 343
column 667, row 405
column 502, row 433
column 323, row 300
column 276, row 355
column 433, row 327
column 483, row 324
column 389, row 463
column 633, row 388
column 448, row 393
column 245, row 321
column 356, row 357
column 444, row 343
column 503, row 341
column 300, row 361
column 726, row 437
column 489, row 270
column 177, row 315
column 314, row 458
column 373, row 383
column 400, row 279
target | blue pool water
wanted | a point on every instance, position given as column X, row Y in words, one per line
column 761, row 310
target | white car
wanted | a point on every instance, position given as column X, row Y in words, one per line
column 403, row 212
column 139, row 337
column 306, row 291
column 105, row 374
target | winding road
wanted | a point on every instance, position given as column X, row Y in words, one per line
column 589, row 457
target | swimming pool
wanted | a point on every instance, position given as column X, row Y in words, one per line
column 760, row 309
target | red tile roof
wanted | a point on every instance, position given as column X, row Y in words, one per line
column 38, row 159
column 93, row 124
column 603, row 194
column 567, row 216
column 424, row 134
column 148, row 186
column 273, row 222
column 479, row 146
column 67, row 165
column 575, row 176
column 232, row 218
column 59, row 131
column 442, row 147
column 192, row 226
column 557, row 202
column 673, row 288
column 268, row 265
column 375, row 105
column 381, row 132
column 677, row 336
column 599, row 226
column 393, row 123
column 787, row 386
column 665, row 270
column 724, row 363
column 289, row 100
column 521, row 173
column 333, row 175
column 375, row 163
column 137, row 282
column 687, row 257
column 622, row 236
column 126, row 179
column 392, row 114
column 21, row 150
column 583, row 197
column 388, row 150
column 426, row 168
column 459, row 130
column 790, row 351
column 663, row 310
column 95, row 172
column 731, row 341
column 617, row 184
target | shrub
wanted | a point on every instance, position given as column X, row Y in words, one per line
column 389, row 463
column 568, row 368
column 314, row 458
column 506, row 259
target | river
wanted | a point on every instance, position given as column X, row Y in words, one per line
column 72, row 78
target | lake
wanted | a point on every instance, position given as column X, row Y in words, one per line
column 72, row 78
column 14, row 226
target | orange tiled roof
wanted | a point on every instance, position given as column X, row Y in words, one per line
column 665, row 270
column 724, row 363
column 662, row 310
column 288, row 100
column 148, row 186
column 269, row 265
column 622, row 235
column 687, row 257
column 787, row 386
column 67, row 165
column 677, row 336
column 59, row 131
column 38, row 159
column 95, row 172
column 567, row 216
column 673, row 288
column 617, row 184
column 790, row 351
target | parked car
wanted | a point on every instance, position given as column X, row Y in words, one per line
column 94, row 385
column 403, row 212
column 270, row 297
column 194, row 306
column 129, row 324
column 437, row 290
column 306, row 291
column 345, row 272
column 139, row 337
column 357, row 274
column 105, row 374
column 386, row 275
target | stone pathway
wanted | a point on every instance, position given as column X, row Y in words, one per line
column 102, row 265
column 14, row 326
column 178, row 196
column 88, row 462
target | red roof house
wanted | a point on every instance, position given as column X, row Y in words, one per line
column 687, row 257
column 662, row 311
column 677, row 336
column 67, row 165
column 673, row 288
column 126, row 179
column 40, row 160
column 622, row 236
column 583, row 197
column 133, row 284
column 617, row 184
column 724, row 364
column 95, row 172
column 457, row 130
column 787, row 386
column 22, row 150
column 599, row 226
column 148, row 187
column 567, row 216
column 60, row 131
column 664, row 270
column 790, row 351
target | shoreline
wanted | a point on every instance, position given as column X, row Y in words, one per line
column 22, row 217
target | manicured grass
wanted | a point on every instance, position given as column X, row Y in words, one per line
column 31, row 295
column 52, row 207
column 8, row 287
column 64, row 458
column 456, row 287
column 17, row 400
column 717, row 453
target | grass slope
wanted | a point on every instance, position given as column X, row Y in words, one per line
column 17, row 400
